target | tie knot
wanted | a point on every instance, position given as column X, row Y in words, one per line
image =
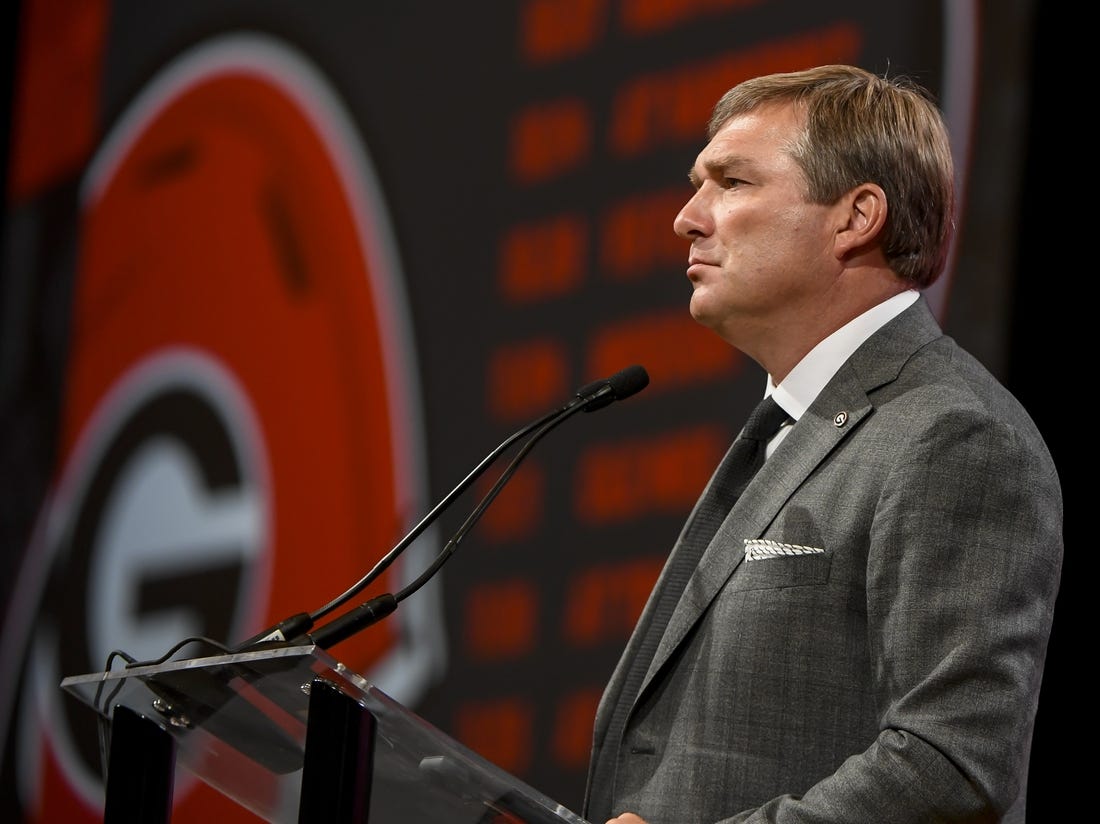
column 765, row 420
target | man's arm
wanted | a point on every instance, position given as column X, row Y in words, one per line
column 965, row 559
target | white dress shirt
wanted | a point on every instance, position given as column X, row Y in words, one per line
column 809, row 376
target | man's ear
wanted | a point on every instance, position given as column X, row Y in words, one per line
column 864, row 218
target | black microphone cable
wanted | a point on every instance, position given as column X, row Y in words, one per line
column 297, row 625
column 589, row 398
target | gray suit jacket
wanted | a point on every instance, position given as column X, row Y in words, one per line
column 888, row 670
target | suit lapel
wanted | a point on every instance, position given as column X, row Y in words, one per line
column 834, row 415
column 804, row 448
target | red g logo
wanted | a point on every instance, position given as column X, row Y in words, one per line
column 241, row 439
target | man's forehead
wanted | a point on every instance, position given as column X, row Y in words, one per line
column 752, row 138
column 770, row 121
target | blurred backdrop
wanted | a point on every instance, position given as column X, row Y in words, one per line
column 277, row 276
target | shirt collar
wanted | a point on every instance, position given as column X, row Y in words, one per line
column 809, row 376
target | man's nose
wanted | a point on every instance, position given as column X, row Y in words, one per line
column 691, row 222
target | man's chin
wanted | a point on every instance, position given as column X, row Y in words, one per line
column 699, row 311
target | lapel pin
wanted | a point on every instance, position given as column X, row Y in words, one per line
column 839, row 419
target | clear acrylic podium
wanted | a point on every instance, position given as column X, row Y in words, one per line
column 294, row 736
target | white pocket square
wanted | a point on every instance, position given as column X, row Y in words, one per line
column 759, row 549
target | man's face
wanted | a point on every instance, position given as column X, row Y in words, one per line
column 761, row 254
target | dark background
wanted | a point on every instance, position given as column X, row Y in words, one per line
column 1008, row 305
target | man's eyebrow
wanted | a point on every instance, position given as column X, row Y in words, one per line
column 715, row 166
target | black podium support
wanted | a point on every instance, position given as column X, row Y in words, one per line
column 141, row 767
column 338, row 759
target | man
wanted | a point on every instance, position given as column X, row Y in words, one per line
column 863, row 639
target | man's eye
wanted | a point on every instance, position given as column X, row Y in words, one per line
column 733, row 182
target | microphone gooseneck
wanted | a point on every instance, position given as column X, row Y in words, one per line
column 299, row 628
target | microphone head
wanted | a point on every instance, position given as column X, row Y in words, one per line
column 623, row 384
column 628, row 382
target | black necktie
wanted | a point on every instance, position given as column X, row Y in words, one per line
column 742, row 461
column 745, row 457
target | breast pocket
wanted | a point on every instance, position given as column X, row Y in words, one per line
column 771, row 565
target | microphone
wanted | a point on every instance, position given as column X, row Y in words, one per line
column 592, row 396
column 621, row 385
column 301, row 623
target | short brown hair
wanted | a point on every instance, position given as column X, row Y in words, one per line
column 862, row 128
